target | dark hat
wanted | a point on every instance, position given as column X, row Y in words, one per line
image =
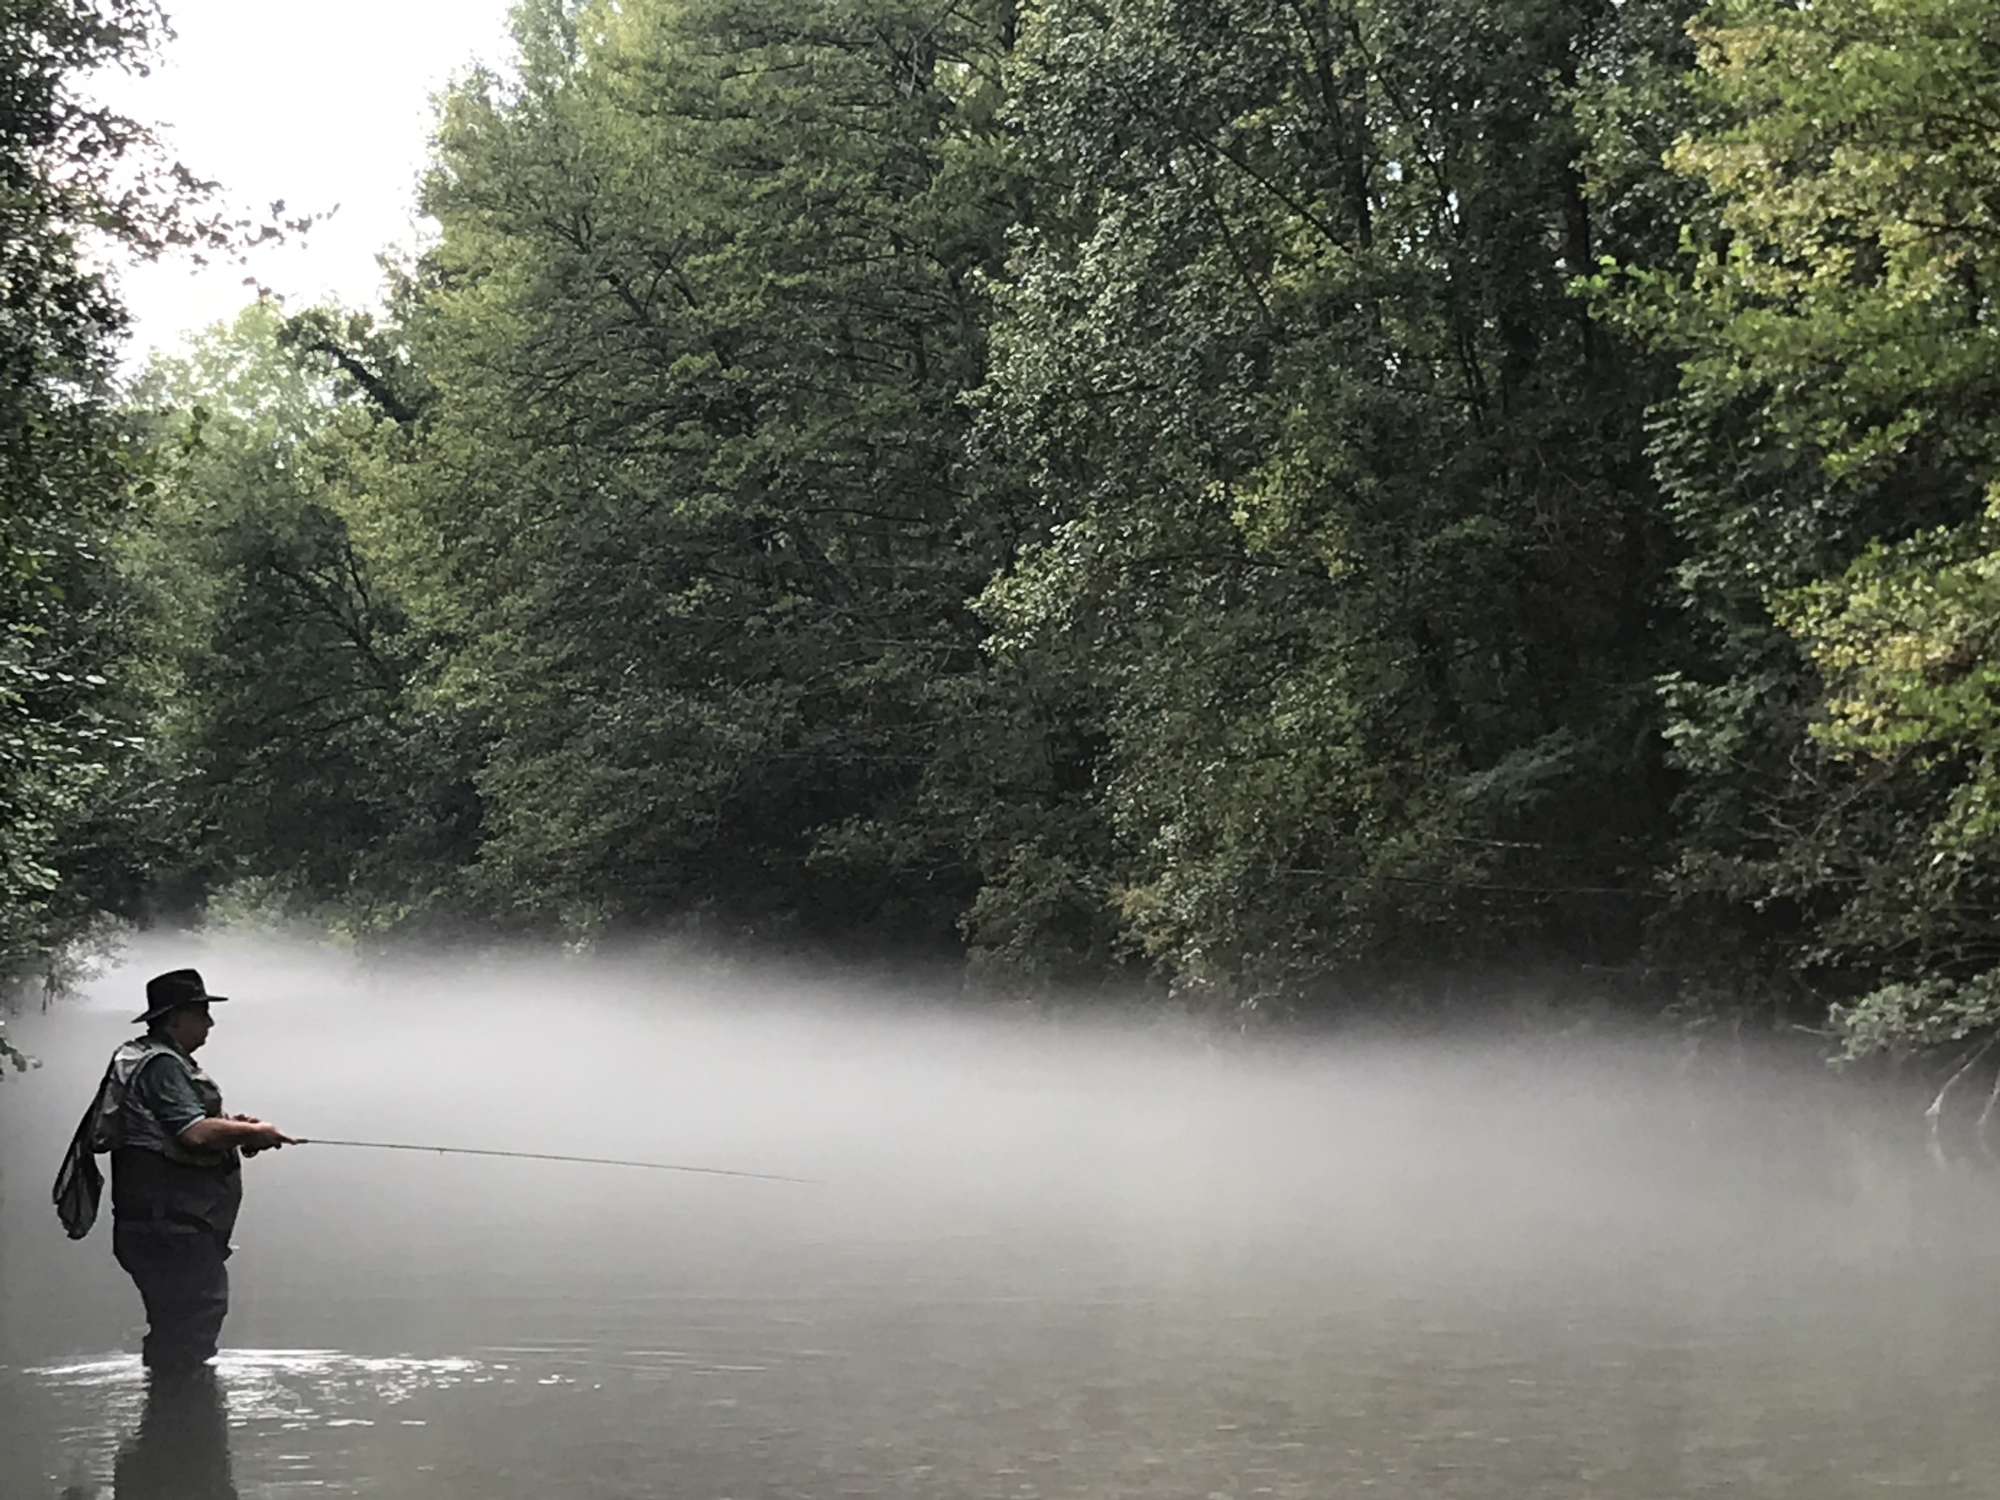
column 173, row 989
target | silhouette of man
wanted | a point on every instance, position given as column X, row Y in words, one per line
column 176, row 1171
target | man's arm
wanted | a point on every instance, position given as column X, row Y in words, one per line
column 169, row 1094
column 215, row 1131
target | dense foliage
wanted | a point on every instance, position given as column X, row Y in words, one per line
column 1302, row 503
column 1340, row 499
column 1829, row 458
column 64, row 470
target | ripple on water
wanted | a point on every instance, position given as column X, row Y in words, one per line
column 284, row 1385
column 287, row 1394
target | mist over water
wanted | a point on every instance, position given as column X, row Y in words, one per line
column 1061, row 1257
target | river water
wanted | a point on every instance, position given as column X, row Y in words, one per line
column 1043, row 1258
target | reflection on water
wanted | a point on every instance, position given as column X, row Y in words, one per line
column 173, row 1434
column 181, row 1448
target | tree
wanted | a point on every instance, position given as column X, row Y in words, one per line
column 63, row 463
column 73, row 474
column 1831, row 454
column 280, row 658
column 691, row 531
column 1341, row 492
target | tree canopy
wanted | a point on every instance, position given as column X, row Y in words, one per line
column 1292, row 504
column 65, row 464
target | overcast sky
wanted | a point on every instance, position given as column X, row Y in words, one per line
column 316, row 104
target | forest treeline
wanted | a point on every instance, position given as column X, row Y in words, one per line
column 1297, row 504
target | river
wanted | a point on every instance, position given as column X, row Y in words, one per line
column 1042, row 1258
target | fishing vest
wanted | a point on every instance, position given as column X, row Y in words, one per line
column 156, row 1178
column 120, row 1120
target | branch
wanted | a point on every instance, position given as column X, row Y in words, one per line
column 1935, row 1114
column 378, row 390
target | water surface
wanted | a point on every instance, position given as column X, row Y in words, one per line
column 1046, row 1259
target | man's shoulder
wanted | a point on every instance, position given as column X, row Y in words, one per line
column 149, row 1050
column 163, row 1067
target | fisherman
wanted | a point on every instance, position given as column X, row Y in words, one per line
column 176, row 1173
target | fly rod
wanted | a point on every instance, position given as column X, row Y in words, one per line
column 588, row 1161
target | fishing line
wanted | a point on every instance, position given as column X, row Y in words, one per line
column 588, row 1161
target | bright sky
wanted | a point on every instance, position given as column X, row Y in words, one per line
column 316, row 104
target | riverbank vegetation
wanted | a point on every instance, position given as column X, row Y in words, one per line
column 1298, row 504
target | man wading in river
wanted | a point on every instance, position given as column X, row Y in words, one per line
column 176, row 1173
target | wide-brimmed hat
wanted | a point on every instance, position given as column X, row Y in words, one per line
column 175, row 988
